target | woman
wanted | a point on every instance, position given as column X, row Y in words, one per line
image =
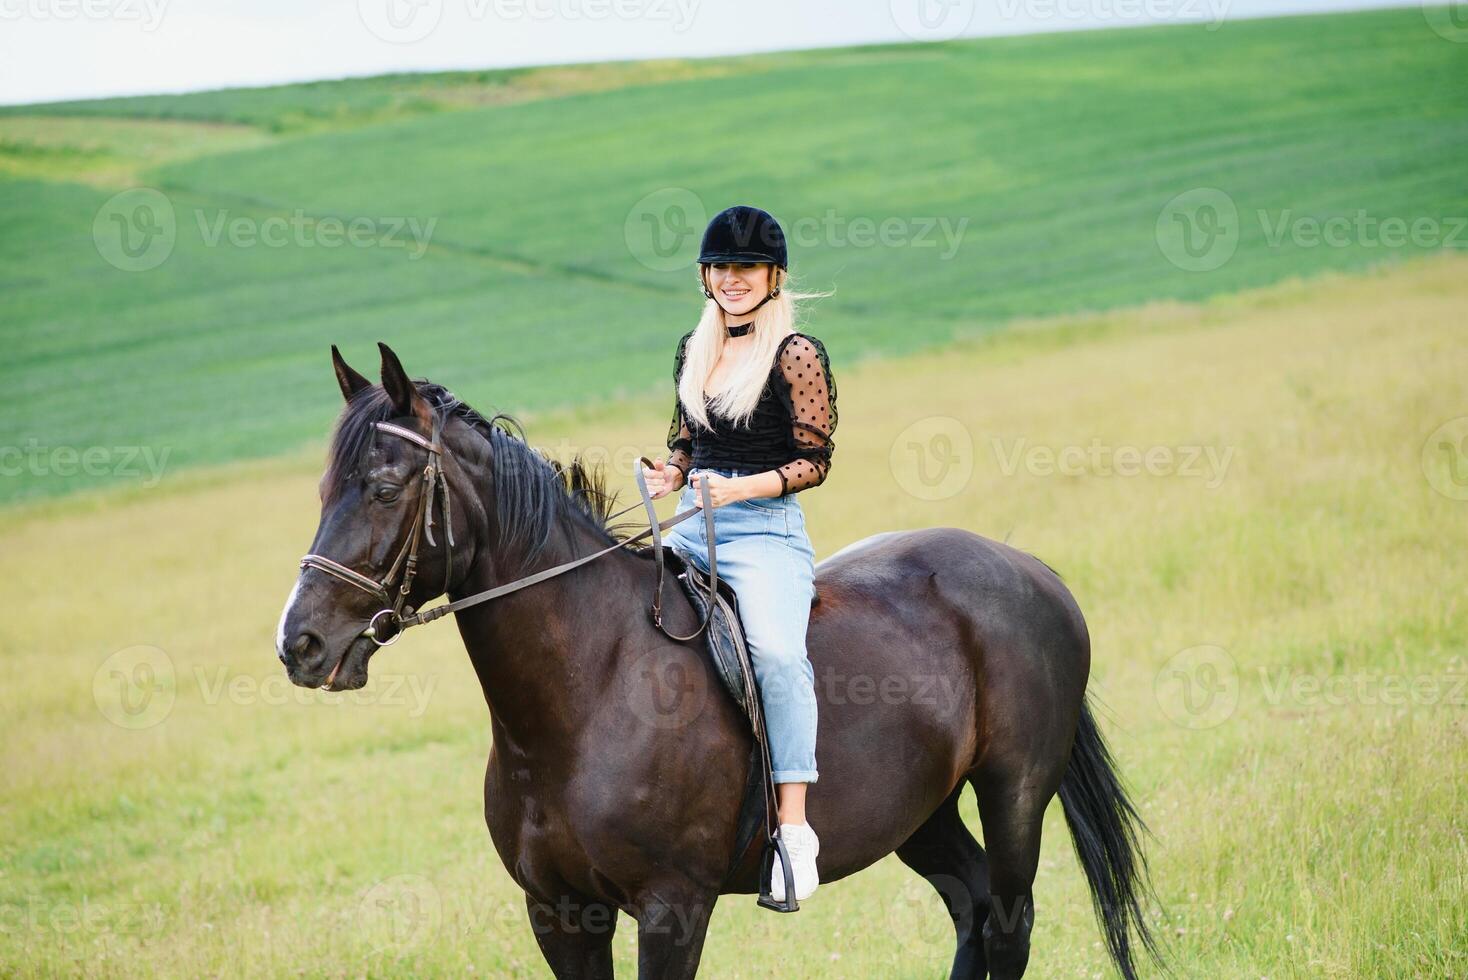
column 753, row 417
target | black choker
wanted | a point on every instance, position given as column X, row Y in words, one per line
column 740, row 330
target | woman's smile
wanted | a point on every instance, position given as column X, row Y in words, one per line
column 739, row 286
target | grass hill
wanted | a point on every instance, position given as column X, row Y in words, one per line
column 1279, row 643
column 940, row 190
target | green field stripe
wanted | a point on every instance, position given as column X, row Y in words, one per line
column 1049, row 158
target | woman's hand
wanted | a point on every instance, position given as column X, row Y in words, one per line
column 722, row 489
column 662, row 479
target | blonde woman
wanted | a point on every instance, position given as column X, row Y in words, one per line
column 753, row 418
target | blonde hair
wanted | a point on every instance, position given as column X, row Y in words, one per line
column 773, row 322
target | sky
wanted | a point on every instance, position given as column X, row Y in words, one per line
column 68, row 49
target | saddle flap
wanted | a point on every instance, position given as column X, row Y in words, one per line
column 724, row 636
column 726, row 646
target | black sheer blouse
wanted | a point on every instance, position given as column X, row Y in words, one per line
column 790, row 431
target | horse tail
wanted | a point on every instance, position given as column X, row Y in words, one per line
column 1107, row 831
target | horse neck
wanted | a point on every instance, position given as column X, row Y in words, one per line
column 544, row 654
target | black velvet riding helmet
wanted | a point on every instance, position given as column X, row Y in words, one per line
column 744, row 234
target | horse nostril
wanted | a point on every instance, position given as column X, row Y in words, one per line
column 302, row 645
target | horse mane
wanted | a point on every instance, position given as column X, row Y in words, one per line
column 534, row 492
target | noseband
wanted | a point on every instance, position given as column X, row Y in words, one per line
column 396, row 616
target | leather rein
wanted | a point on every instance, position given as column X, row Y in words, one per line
column 398, row 616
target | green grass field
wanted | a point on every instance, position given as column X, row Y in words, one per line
column 1279, row 643
column 939, row 190
column 1174, row 351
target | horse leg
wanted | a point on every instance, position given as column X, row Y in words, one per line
column 575, row 937
column 943, row 851
column 671, row 926
column 1011, row 811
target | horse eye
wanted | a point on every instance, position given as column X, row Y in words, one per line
column 387, row 494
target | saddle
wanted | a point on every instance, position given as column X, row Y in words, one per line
column 724, row 635
column 717, row 609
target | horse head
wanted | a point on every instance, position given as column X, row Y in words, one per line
column 383, row 546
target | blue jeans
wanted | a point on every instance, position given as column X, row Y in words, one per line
column 765, row 554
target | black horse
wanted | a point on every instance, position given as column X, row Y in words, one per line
column 618, row 764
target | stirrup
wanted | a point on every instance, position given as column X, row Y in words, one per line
column 766, row 897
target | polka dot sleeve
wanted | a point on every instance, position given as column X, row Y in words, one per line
column 812, row 404
column 680, row 439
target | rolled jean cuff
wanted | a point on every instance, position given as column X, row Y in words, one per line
column 795, row 775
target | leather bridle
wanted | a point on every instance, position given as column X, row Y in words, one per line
column 393, row 607
column 398, row 616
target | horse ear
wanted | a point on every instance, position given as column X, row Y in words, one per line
column 395, row 381
column 351, row 382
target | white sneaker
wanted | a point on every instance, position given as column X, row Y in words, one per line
column 802, row 844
